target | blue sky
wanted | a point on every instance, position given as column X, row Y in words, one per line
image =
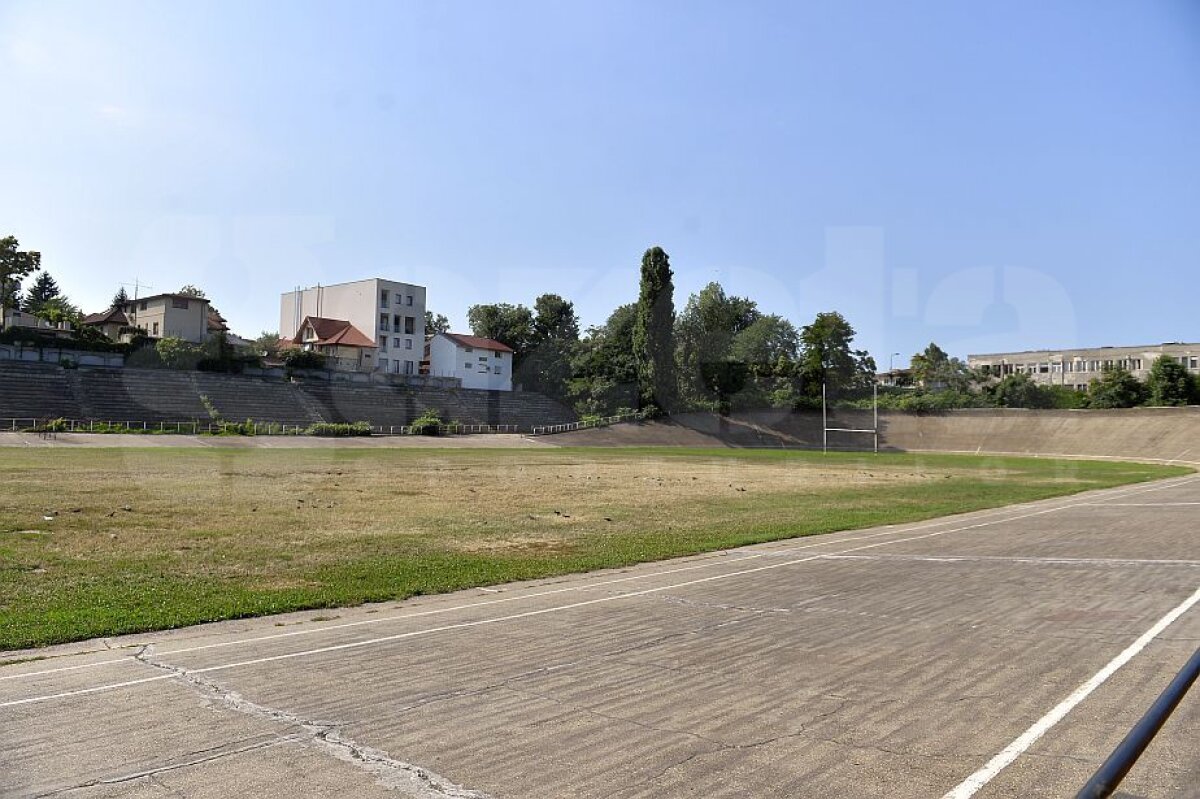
column 990, row 176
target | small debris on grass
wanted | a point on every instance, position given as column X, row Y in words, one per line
column 48, row 518
column 127, row 508
column 608, row 518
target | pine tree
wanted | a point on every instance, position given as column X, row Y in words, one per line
column 43, row 290
column 654, row 332
column 120, row 298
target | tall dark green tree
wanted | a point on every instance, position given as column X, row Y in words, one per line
column 15, row 265
column 553, row 339
column 704, row 334
column 1169, row 383
column 654, row 332
column 38, row 296
column 120, row 298
column 605, row 371
column 828, row 357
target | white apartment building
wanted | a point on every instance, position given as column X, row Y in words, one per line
column 478, row 362
column 391, row 313
column 1076, row 368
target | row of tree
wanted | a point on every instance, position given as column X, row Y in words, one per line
column 43, row 298
column 938, row 381
column 719, row 352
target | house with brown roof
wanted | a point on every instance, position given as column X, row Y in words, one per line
column 345, row 347
column 478, row 362
column 113, row 323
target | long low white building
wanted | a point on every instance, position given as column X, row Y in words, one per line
column 1077, row 368
column 478, row 362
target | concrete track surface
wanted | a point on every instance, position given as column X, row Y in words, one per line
column 995, row 654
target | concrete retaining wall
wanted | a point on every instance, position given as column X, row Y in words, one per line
column 1158, row 433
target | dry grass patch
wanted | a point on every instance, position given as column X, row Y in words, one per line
column 137, row 539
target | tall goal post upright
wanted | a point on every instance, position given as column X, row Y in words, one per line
column 826, row 429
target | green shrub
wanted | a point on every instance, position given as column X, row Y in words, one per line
column 337, row 430
column 302, row 359
column 428, row 424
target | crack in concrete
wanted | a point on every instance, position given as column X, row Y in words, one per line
column 152, row 773
column 389, row 772
column 695, row 603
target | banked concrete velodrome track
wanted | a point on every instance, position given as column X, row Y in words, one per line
column 995, row 654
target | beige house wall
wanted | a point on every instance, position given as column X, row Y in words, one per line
column 159, row 317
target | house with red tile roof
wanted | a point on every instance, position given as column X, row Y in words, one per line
column 478, row 362
column 345, row 347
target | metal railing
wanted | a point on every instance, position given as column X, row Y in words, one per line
column 1109, row 775
column 139, row 427
column 543, row 430
column 446, row 429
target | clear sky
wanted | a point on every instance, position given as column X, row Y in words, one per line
column 989, row 175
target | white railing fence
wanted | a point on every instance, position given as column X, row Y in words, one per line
column 605, row 421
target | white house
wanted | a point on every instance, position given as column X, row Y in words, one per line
column 477, row 362
column 390, row 313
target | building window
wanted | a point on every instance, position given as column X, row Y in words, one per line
column 383, row 321
column 467, row 349
column 180, row 303
column 410, row 325
column 409, row 300
column 155, row 333
column 383, row 343
column 398, row 300
column 467, row 365
column 383, row 363
column 408, row 343
column 144, row 306
column 383, row 299
column 496, row 369
column 409, row 367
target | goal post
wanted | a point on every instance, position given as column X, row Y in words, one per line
column 826, row 429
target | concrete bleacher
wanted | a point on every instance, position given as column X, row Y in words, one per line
column 238, row 398
column 35, row 391
column 141, row 395
column 382, row 406
column 40, row 391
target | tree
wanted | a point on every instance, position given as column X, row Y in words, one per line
column 654, row 332
column 935, row 369
column 1169, row 382
column 1115, row 388
column 120, row 298
column 177, row 353
column 15, row 265
column 1019, row 391
column 267, row 343
column 553, row 340
column 191, row 291
column 827, row 357
column 704, row 334
column 604, row 369
column 57, row 310
column 436, row 324
column 43, row 290
column 508, row 324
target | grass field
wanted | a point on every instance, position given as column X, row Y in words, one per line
column 106, row 541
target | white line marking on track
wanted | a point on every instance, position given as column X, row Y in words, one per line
column 523, row 615
column 988, row 772
column 1020, row 559
column 1143, row 504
